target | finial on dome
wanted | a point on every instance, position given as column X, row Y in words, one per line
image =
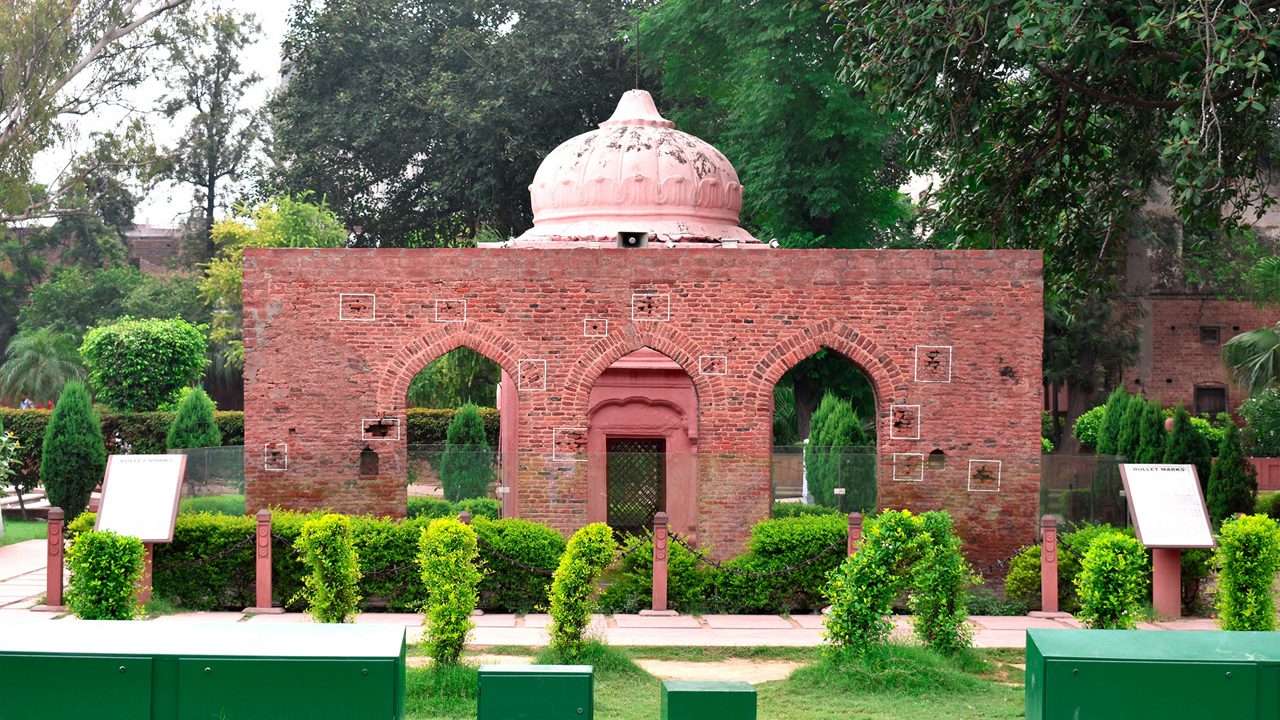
column 636, row 108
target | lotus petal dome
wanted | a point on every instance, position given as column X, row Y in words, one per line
column 637, row 174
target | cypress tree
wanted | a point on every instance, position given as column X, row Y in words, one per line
column 1151, row 439
column 74, row 456
column 193, row 425
column 466, row 466
column 1128, row 440
column 833, row 458
column 1109, row 433
column 1233, row 482
column 1186, row 446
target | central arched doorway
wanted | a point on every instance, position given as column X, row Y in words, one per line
column 642, row 437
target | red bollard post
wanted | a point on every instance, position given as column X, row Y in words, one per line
column 464, row 517
column 661, row 546
column 855, row 531
column 54, row 563
column 1049, row 564
column 262, row 567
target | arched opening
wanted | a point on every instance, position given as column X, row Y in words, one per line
column 824, row 434
column 642, row 436
column 461, row 408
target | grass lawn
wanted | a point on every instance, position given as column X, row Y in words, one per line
column 900, row 682
column 16, row 531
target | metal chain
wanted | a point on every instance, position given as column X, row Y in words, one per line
column 624, row 553
column 389, row 571
column 507, row 558
column 757, row 575
column 230, row 550
column 997, row 564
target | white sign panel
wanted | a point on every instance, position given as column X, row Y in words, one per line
column 1167, row 507
column 140, row 496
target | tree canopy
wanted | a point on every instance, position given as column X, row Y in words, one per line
column 424, row 121
column 761, row 84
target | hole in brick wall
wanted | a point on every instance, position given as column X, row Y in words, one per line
column 937, row 460
column 650, row 307
column 368, row 462
column 595, row 327
column 933, row 363
column 451, row 310
column 904, row 422
column 984, row 476
column 275, row 457
column 357, row 307
column 380, row 429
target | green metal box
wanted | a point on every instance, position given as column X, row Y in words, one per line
column 535, row 692
column 700, row 700
column 1126, row 674
column 237, row 671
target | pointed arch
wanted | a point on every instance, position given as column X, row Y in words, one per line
column 669, row 341
column 418, row 353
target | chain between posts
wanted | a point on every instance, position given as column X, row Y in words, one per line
column 839, row 544
column 226, row 552
column 997, row 564
column 522, row 565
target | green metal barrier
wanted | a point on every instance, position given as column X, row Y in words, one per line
column 138, row 670
column 1128, row 674
column 699, row 700
column 535, row 692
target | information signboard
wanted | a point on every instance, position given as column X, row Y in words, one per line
column 140, row 496
column 1167, row 507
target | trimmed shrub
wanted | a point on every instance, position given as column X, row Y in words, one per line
column 106, row 570
column 479, row 507
column 588, row 553
column 1186, row 446
column 1022, row 583
column 789, row 510
column 447, row 557
column 1112, row 583
column 1248, row 558
column 331, row 587
column 1151, row 439
column 1233, row 482
column 1088, row 424
column 511, row 550
column 466, row 467
column 193, row 424
column 429, row 507
column 1268, row 504
column 74, row 456
column 138, row 365
column 900, row 551
column 775, row 546
column 430, row 426
column 213, row 504
column 1261, row 413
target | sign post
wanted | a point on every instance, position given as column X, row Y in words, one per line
column 1169, row 514
column 140, row 498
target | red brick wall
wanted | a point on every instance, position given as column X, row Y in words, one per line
column 311, row 377
column 1175, row 361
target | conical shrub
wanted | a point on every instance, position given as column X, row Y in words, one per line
column 74, row 456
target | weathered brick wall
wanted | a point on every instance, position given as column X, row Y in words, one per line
column 333, row 337
column 1174, row 361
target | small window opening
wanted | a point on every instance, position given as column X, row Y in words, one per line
column 937, row 460
column 368, row 462
column 1210, row 334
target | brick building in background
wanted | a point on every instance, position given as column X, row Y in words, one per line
column 635, row 309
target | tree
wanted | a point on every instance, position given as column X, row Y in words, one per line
column 137, row 365
column 1233, row 482
column 1186, row 446
column 836, row 457
column 75, row 299
column 1129, row 441
column 1253, row 358
column 1152, row 437
column 283, row 221
column 38, row 363
column 1048, row 123
column 1112, row 420
column 193, row 425
column 466, row 466
column 826, row 371
column 204, row 77
column 423, row 121
column 759, row 82
column 456, row 378
column 63, row 60
column 74, row 456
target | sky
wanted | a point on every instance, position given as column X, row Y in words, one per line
column 168, row 203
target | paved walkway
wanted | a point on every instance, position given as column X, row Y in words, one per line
column 22, row 583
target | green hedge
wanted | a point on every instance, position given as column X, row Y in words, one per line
column 429, row 426
column 210, row 566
